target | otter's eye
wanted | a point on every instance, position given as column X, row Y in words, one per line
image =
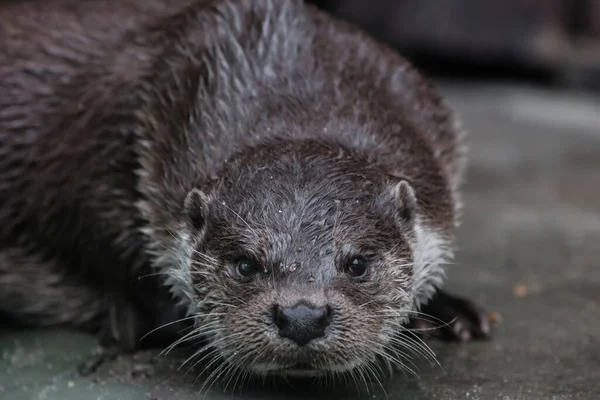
column 356, row 267
column 245, row 268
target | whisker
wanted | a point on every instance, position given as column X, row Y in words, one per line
column 195, row 333
column 399, row 359
column 167, row 324
column 214, row 344
column 369, row 366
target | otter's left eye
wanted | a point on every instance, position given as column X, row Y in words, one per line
column 245, row 268
column 356, row 267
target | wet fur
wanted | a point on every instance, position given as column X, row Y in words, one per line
column 110, row 115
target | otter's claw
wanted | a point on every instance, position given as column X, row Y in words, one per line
column 451, row 318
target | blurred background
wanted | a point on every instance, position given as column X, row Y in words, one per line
column 552, row 42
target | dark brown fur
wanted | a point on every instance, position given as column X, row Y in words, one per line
column 296, row 129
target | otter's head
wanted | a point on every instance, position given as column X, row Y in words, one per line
column 302, row 260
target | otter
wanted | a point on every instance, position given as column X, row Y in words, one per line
column 269, row 177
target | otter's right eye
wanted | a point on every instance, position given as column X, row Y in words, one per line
column 246, row 268
column 356, row 267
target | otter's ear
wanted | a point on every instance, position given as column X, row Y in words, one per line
column 406, row 201
column 196, row 211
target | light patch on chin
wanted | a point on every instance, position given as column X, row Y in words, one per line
column 276, row 369
column 265, row 368
column 302, row 373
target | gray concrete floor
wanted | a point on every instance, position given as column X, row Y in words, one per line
column 529, row 250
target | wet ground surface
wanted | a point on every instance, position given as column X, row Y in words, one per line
column 529, row 250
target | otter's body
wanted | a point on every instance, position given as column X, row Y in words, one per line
column 140, row 141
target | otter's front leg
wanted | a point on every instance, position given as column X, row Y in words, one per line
column 36, row 291
column 452, row 318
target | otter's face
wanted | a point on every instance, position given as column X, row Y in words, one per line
column 302, row 274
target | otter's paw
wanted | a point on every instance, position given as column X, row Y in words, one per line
column 451, row 318
column 89, row 366
column 123, row 325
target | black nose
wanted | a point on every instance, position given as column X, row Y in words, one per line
column 302, row 322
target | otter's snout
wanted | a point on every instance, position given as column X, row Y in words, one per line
column 302, row 322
